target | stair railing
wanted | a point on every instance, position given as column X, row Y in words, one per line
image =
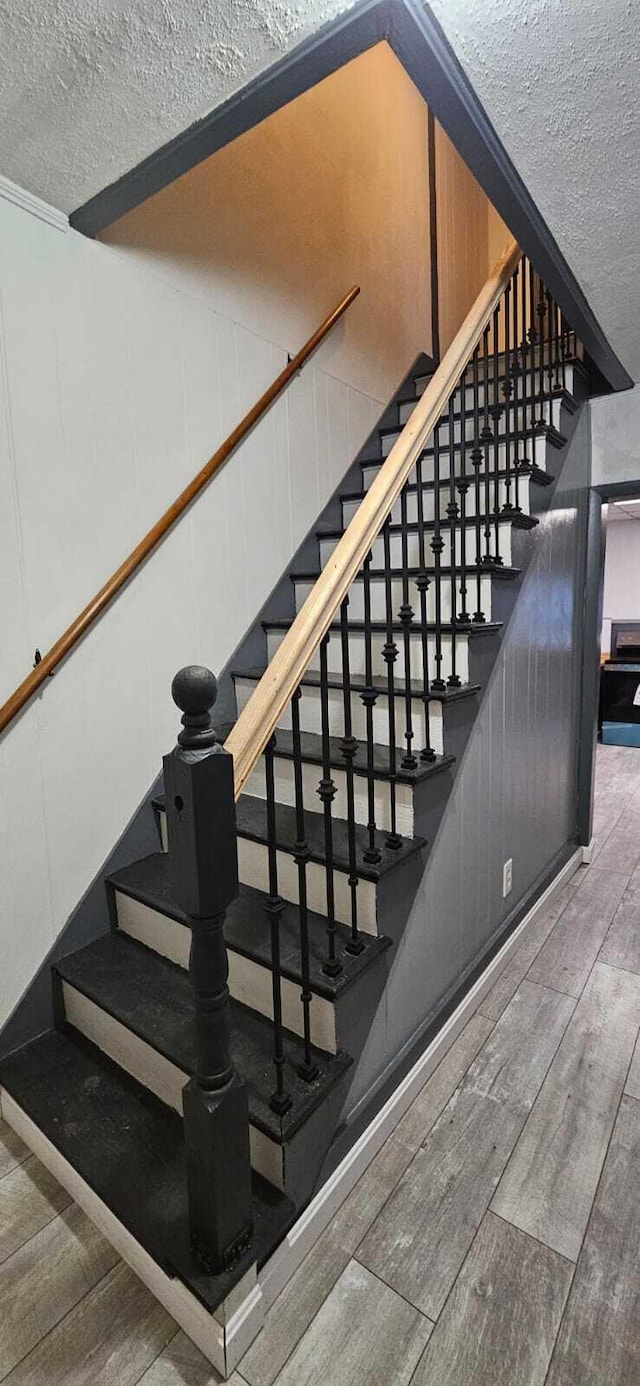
column 259, row 718
column 48, row 663
column 454, row 479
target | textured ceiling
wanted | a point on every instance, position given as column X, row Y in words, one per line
column 560, row 80
column 88, row 89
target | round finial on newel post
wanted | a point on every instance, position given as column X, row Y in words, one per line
column 194, row 690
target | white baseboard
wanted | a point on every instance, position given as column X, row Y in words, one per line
column 305, row 1232
column 587, row 853
column 223, row 1336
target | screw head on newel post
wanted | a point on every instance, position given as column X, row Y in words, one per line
column 203, row 870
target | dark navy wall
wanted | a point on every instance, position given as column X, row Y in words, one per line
column 515, row 792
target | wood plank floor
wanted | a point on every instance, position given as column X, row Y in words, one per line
column 492, row 1241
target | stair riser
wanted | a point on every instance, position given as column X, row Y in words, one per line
column 311, row 716
column 253, row 866
column 549, row 412
column 311, row 775
column 534, row 450
column 521, row 388
column 155, row 1072
column 248, row 981
column 357, row 655
column 378, row 597
column 327, row 547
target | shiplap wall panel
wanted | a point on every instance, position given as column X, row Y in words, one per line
column 115, row 387
column 515, row 794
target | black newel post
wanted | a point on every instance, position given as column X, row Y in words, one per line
column 203, row 855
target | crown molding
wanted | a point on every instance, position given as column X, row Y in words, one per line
column 28, row 202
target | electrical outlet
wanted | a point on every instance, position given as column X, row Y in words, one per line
column 507, row 877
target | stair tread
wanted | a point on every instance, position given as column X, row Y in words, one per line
column 519, row 521
column 252, row 823
column 129, row 1148
column 532, row 473
column 558, row 392
column 473, row 629
column 505, row 572
column 312, row 680
column 246, row 927
column 469, row 414
column 311, row 752
column 153, row 998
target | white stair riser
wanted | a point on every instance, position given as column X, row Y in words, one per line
column 413, row 547
column 311, row 775
column 357, row 655
column 533, row 450
column 350, row 507
column 378, row 597
column 155, row 1072
column 422, row 381
column 248, row 981
column 549, row 411
column 311, row 716
column 254, row 871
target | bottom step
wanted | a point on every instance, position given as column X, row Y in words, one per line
column 129, row 1148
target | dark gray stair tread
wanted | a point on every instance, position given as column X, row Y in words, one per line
column 519, row 521
column 246, row 926
column 153, row 997
column 129, row 1148
column 535, row 474
column 473, row 629
column 543, row 430
column 504, row 572
column 311, row 751
column 312, row 680
column 252, row 823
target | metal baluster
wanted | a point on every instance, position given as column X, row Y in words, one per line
column 476, row 462
column 496, row 414
column 533, row 339
column 563, row 348
column 486, row 438
column 507, row 392
column 437, row 545
column 327, row 794
column 422, row 583
column 390, row 654
column 556, row 348
column 302, row 853
column 541, row 309
column 462, row 487
column 349, row 747
column 516, row 376
column 453, row 680
column 524, row 348
column 405, row 614
column 550, row 342
column 369, row 698
column 280, row 1100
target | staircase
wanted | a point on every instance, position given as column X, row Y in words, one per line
column 333, row 829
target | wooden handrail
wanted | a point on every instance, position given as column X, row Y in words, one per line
column 116, row 582
column 260, row 715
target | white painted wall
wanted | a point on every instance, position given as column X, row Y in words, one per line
column 621, row 577
column 114, row 388
column 615, row 431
